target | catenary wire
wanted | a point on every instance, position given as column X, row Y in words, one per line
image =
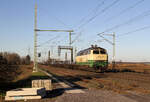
column 141, row 16
column 48, row 41
column 93, row 11
column 92, row 18
column 136, row 30
column 125, row 10
column 102, row 11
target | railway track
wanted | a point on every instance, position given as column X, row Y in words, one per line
column 74, row 67
column 89, row 69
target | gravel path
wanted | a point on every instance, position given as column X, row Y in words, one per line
column 94, row 96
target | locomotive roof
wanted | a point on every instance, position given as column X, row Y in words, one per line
column 91, row 48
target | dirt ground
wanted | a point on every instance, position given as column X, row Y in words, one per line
column 120, row 82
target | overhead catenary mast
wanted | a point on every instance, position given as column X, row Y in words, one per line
column 35, row 68
column 112, row 43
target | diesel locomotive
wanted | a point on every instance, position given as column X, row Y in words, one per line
column 95, row 57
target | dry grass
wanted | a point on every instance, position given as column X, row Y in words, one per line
column 145, row 68
column 25, row 71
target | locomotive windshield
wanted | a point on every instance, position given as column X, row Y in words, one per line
column 96, row 52
column 99, row 52
column 103, row 52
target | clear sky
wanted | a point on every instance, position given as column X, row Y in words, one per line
column 86, row 17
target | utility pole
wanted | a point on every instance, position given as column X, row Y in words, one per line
column 66, row 56
column 75, row 54
column 35, row 68
column 28, row 51
column 70, row 38
column 114, row 50
column 112, row 43
column 48, row 55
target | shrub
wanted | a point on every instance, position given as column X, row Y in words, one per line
column 9, row 63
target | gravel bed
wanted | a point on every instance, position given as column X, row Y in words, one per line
column 94, row 96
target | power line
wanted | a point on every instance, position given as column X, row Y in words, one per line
column 136, row 30
column 77, row 37
column 48, row 41
column 94, row 11
column 125, row 10
column 133, row 31
column 57, row 19
column 102, row 11
column 60, row 21
column 142, row 15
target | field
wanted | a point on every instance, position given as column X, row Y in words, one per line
column 137, row 67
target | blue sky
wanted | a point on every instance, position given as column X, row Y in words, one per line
column 17, row 23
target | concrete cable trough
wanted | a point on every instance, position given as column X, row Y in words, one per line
column 25, row 94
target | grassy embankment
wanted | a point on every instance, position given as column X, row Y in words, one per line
column 22, row 80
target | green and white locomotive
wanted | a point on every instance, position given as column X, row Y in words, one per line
column 94, row 56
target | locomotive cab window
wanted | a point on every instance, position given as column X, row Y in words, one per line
column 96, row 52
column 103, row 52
